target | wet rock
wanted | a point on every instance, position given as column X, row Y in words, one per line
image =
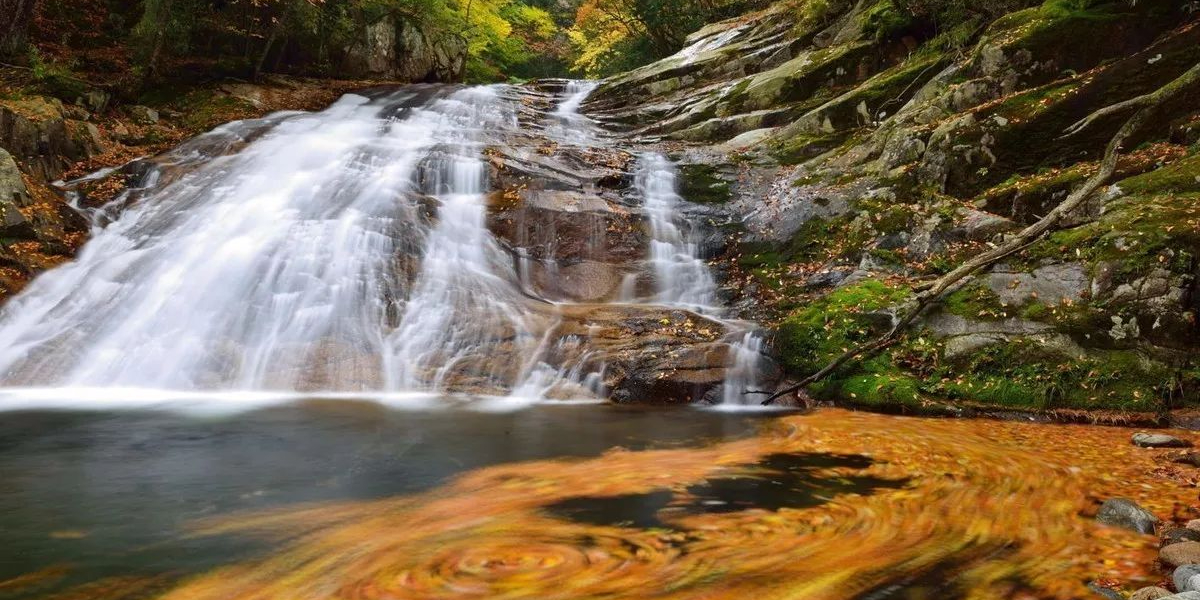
column 1186, row 578
column 1183, row 553
column 1104, row 592
column 1180, row 534
column 1189, row 458
column 1125, row 513
column 142, row 115
column 1158, row 440
column 1150, row 593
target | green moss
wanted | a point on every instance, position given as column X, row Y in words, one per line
column 799, row 148
column 885, row 21
column 1181, row 176
column 812, row 336
column 703, row 184
column 1027, row 374
column 975, row 301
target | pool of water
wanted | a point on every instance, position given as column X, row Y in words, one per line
column 111, row 491
column 338, row 498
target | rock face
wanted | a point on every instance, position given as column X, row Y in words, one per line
column 402, row 51
column 1122, row 512
column 13, row 197
column 869, row 155
column 37, row 132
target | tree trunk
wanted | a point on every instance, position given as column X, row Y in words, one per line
column 262, row 59
column 15, row 16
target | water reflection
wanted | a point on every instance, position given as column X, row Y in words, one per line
column 565, row 503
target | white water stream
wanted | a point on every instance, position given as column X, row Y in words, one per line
column 343, row 251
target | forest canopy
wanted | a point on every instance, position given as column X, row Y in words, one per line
column 150, row 40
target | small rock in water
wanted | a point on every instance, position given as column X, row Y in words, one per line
column 1150, row 593
column 1183, row 553
column 1187, row 578
column 1104, row 592
column 1123, row 512
column 1179, row 534
column 1190, row 458
column 1158, row 440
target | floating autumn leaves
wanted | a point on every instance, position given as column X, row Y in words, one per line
column 970, row 509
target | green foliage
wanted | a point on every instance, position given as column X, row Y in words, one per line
column 55, row 79
column 611, row 36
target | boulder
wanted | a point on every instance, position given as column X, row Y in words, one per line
column 1186, row 578
column 1125, row 513
column 1158, row 440
column 142, row 115
column 1183, row 553
column 1183, row 596
column 37, row 132
column 1150, row 593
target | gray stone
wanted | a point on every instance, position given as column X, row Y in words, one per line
column 1150, row 593
column 142, row 115
column 1186, row 578
column 1051, row 284
column 1123, row 512
column 1180, row 534
column 1183, row 596
column 1158, row 440
column 1104, row 592
column 1183, row 553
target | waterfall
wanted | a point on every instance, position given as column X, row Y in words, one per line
column 681, row 277
column 340, row 250
column 569, row 125
column 745, row 370
column 351, row 250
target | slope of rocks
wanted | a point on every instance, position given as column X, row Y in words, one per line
column 863, row 158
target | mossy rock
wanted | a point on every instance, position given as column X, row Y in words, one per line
column 703, row 184
column 812, row 336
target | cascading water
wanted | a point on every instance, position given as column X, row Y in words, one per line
column 570, row 126
column 681, row 277
column 348, row 251
column 288, row 264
